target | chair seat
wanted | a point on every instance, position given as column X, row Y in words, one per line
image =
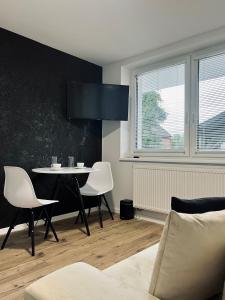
column 46, row 202
column 88, row 190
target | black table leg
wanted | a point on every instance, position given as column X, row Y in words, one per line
column 82, row 210
column 76, row 192
column 53, row 197
column 56, row 188
column 89, row 211
column 77, row 218
column 50, row 225
column 50, row 218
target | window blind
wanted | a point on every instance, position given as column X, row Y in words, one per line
column 160, row 106
column 211, row 117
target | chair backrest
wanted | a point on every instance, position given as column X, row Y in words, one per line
column 102, row 179
column 18, row 189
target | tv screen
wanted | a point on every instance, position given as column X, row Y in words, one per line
column 97, row 101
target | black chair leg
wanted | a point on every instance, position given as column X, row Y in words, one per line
column 32, row 231
column 100, row 211
column 29, row 224
column 84, row 220
column 107, row 205
column 49, row 224
column 10, row 229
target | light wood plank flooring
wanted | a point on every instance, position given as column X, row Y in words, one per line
column 115, row 242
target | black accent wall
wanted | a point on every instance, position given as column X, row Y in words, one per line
column 33, row 124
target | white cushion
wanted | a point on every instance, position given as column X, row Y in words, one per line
column 136, row 270
column 191, row 257
column 82, row 282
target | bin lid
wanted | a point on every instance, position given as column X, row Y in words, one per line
column 127, row 202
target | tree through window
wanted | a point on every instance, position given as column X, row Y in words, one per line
column 160, row 109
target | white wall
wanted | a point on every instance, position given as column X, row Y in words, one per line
column 116, row 133
column 111, row 132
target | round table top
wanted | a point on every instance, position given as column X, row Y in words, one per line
column 64, row 170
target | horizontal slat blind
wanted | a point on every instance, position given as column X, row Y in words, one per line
column 211, row 121
column 160, row 102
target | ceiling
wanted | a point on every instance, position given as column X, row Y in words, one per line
column 105, row 31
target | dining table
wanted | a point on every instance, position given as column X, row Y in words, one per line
column 75, row 189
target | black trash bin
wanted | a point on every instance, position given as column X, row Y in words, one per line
column 126, row 209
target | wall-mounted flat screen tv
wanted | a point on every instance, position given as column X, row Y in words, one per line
column 97, row 101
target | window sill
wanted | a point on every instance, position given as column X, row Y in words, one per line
column 175, row 160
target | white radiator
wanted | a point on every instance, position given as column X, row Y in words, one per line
column 154, row 184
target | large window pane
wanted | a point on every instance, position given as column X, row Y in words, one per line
column 160, row 109
column 211, row 121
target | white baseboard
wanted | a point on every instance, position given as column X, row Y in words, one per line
column 140, row 215
column 115, row 210
column 145, row 215
column 23, row 226
column 149, row 219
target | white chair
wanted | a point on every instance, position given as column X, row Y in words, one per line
column 99, row 183
column 19, row 192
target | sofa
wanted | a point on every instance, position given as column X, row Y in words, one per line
column 187, row 264
column 128, row 279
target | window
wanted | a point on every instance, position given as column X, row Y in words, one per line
column 160, row 109
column 180, row 107
column 211, row 119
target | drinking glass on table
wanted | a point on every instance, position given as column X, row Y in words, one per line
column 71, row 161
column 54, row 160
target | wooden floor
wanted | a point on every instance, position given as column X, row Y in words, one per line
column 115, row 242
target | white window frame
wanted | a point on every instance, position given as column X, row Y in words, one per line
column 191, row 106
column 195, row 57
column 163, row 153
